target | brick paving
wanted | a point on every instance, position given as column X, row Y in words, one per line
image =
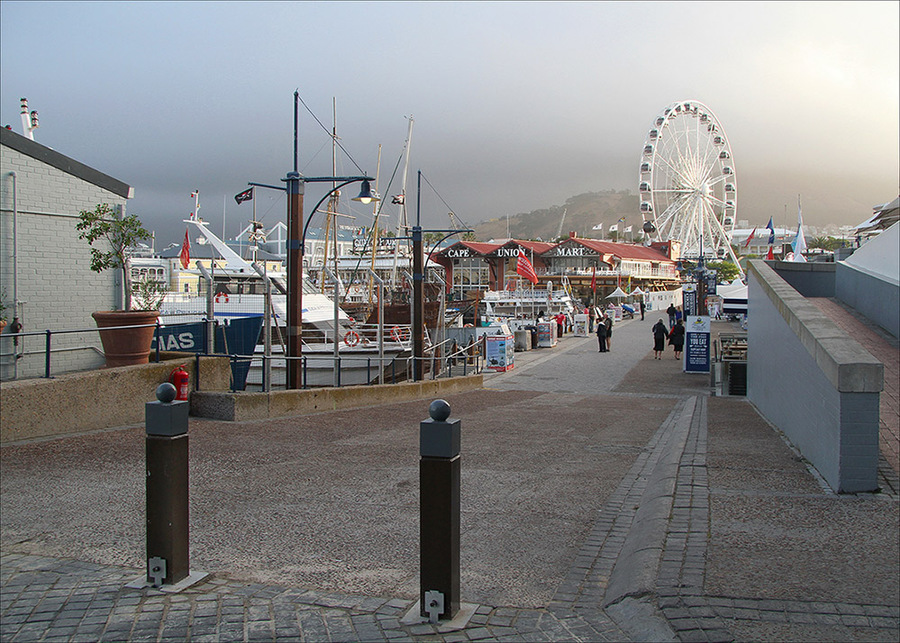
column 885, row 348
column 650, row 565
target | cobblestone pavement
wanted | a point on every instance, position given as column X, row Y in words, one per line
column 703, row 539
column 887, row 349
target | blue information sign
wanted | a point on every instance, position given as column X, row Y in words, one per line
column 696, row 345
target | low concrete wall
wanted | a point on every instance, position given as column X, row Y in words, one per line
column 258, row 406
column 873, row 296
column 809, row 279
column 814, row 382
column 92, row 400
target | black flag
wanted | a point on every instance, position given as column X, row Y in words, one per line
column 246, row 195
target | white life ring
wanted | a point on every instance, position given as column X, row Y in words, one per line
column 351, row 339
column 221, row 297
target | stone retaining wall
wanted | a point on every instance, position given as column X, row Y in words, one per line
column 236, row 407
column 813, row 381
column 91, row 400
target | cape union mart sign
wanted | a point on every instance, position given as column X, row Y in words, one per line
column 508, row 252
column 459, row 253
column 572, row 251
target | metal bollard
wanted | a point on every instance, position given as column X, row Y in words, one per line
column 167, row 488
column 439, row 482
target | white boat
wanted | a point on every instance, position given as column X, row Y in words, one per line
column 331, row 339
column 522, row 307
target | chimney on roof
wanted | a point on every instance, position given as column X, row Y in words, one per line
column 573, row 235
column 29, row 120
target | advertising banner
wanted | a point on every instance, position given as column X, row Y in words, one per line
column 696, row 344
column 499, row 352
column 689, row 293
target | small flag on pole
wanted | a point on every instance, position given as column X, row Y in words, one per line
column 771, row 228
column 400, row 199
column 614, row 227
column 524, row 268
column 185, row 254
column 799, row 244
column 750, row 238
column 246, row 195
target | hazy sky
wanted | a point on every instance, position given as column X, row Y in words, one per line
column 517, row 105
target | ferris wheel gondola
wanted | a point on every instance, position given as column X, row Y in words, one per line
column 687, row 182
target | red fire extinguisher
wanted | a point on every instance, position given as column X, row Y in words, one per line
column 182, row 382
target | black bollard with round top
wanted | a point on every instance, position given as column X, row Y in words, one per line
column 167, row 488
column 439, row 482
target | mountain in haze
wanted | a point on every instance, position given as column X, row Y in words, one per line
column 579, row 214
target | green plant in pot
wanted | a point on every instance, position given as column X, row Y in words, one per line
column 115, row 234
column 2, row 310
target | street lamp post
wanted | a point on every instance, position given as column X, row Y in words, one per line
column 295, row 184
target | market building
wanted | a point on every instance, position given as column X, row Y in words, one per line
column 574, row 263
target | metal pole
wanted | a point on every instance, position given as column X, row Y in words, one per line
column 418, row 329
column 295, row 189
column 380, row 331
column 334, row 279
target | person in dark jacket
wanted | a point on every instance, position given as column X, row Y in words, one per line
column 609, row 324
column 601, row 335
column 671, row 312
column 660, row 333
column 676, row 338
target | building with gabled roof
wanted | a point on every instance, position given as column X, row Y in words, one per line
column 473, row 266
column 45, row 276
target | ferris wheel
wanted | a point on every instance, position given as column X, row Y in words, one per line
column 688, row 186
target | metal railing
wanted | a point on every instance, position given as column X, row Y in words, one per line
column 48, row 349
column 316, row 369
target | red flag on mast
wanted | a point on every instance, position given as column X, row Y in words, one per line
column 750, row 238
column 524, row 268
column 594, row 279
column 185, row 254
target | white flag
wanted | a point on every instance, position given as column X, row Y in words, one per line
column 614, row 227
column 599, row 226
column 799, row 243
column 628, row 229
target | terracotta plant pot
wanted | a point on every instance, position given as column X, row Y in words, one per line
column 126, row 346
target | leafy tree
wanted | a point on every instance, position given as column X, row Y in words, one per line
column 726, row 271
column 103, row 225
column 826, row 243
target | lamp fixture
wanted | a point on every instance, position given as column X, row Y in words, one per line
column 366, row 194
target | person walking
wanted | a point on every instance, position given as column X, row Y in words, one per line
column 643, row 308
column 676, row 338
column 660, row 333
column 609, row 324
column 671, row 312
column 679, row 315
column 601, row 335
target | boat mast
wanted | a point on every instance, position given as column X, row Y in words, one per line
column 402, row 221
column 330, row 219
column 376, row 210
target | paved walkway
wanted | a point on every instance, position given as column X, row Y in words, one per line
column 887, row 349
column 606, row 497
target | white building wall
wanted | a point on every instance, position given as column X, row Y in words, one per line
column 56, row 288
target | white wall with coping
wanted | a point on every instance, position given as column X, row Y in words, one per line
column 814, row 382
column 869, row 280
column 56, row 288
